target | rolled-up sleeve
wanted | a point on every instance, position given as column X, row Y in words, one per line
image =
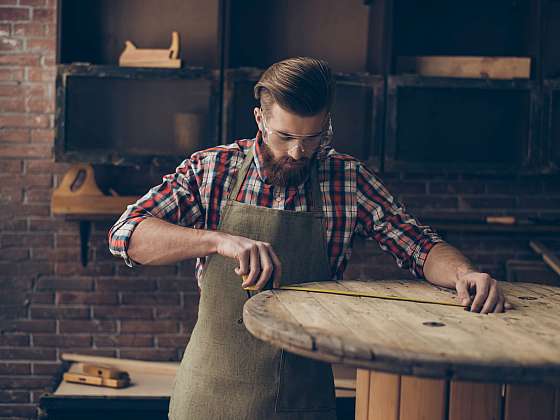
column 381, row 217
column 176, row 200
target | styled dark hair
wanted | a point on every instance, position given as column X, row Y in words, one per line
column 301, row 85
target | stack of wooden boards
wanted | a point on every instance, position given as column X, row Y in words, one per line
column 99, row 375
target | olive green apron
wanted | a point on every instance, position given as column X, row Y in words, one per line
column 226, row 373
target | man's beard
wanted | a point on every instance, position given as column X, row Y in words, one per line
column 284, row 171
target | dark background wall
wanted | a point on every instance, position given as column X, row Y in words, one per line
column 51, row 304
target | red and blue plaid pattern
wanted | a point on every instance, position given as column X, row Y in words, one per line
column 354, row 202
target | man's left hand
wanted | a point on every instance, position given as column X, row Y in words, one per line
column 489, row 295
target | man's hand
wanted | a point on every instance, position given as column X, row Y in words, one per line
column 489, row 296
column 256, row 260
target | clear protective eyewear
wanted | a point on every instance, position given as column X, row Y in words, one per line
column 286, row 142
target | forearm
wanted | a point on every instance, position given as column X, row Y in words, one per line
column 157, row 242
column 444, row 263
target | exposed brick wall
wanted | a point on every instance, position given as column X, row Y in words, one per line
column 51, row 304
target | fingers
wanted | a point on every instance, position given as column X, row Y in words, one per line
column 492, row 299
column 277, row 272
column 254, row 264
column 257, row 264
column 463, row 293
column 243, row 261
column 482, row 289
column 266, row 265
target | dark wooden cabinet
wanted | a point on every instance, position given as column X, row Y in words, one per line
column 395, row 120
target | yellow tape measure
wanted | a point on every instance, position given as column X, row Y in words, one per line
column 357, row 294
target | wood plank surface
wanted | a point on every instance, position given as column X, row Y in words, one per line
column 422, row 399
column 384, row 396
column 475, row 401
column 530, row 402
column 362, row 394
column 417, row 339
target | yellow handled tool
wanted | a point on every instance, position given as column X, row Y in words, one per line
column 356, row 294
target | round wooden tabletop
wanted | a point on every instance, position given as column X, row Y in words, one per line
column 429, row 340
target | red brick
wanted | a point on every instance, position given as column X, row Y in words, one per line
column 12, row 194
column 14, row 340
column 8, row 2
column 42, row 135
column 92, row 352
column 26, row 240
column 12, row 105
column 29, row 29
column 93, row 326
column 40, row 104
column 485, row 202
column 43, row 15
column 27, row 354
column 56, row 254
column 31, row 209
column 5, row 29
column 14, row 13
column 37, row 195
column 10, row 166
column 125, row 284
column 64, row 283
column 29, row 121
column 32, row 150
column 35, row 3
column 149, row 326
column 14, row 254
column 177, row 312
column 10, row 91
column 15, row 135
column 46, row 368
column 42, row 297
column 38, row 74
column 27, row 411
column 53, row 312
column 159, row 298
column 145, row 271
column 7, row 368
column 150, row 354
column 41, row 166
column 35, row 180
column 77, row 269
column 20, row 59
column 14, row 397
column 61, row 340
column 10, row 44
column 26, row 268
column 11, row 74
column 25, row 382
column 539, row 202
column 40, row 44
column 28, row 325
column 86, row 298
column 123, row 340
column 178, row 284
column 172, row 340
column 122, row 312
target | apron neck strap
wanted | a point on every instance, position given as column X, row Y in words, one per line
column 316, row 196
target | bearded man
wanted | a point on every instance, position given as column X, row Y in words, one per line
column 280, row 208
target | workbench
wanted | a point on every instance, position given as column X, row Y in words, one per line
column 148, row 395
column 425, row 361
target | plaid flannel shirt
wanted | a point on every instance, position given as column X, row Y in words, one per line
column 354, row 202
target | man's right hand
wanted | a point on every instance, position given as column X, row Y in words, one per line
column 256, row 260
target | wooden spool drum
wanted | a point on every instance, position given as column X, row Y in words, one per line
column 425, row 361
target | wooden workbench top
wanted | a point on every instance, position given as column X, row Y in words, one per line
column 521, row 345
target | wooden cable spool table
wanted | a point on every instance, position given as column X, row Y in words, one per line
column 425, row 361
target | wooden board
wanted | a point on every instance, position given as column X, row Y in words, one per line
column 400, row 337
column 468, row 67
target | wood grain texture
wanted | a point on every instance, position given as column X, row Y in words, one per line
column 384, row 396
column 526, row 402
column 475, row 401
column 416, row 339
